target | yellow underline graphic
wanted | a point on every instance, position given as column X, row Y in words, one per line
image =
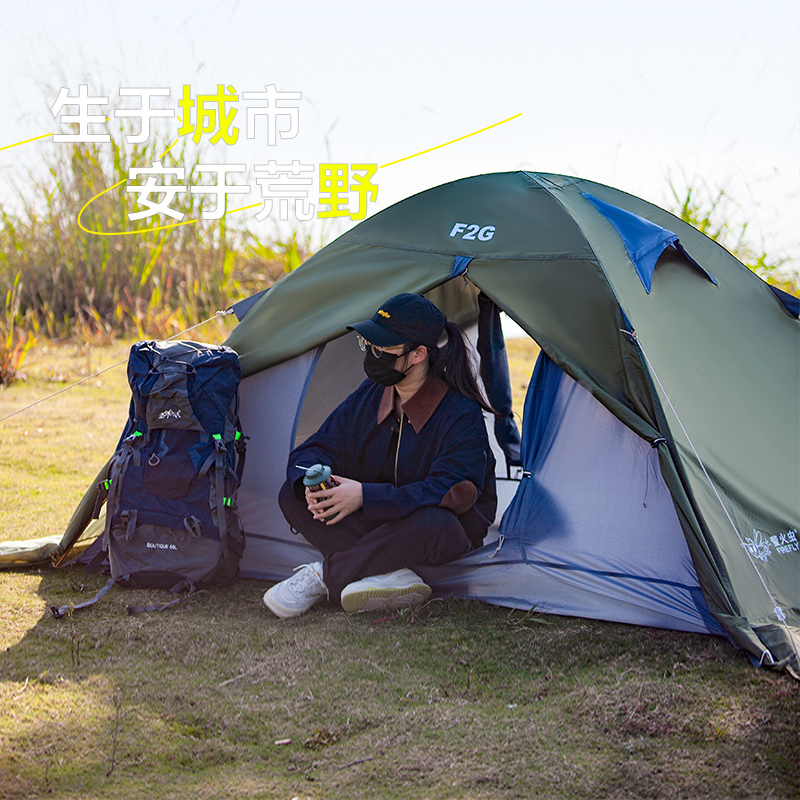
column 17, row 144
column 144, row 230
column 431, row 149
column 34, row 138
column 244, row 208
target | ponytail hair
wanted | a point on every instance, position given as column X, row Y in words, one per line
column 454, row 363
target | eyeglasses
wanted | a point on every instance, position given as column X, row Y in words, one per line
column 374, row 349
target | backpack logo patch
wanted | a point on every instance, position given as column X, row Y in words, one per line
column 170, row 414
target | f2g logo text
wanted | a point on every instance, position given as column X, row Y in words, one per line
column 472, row 231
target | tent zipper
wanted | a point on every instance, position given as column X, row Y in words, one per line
column 397, row 449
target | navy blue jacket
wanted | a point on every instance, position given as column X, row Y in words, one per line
column 443, row 456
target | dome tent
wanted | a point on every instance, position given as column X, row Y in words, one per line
column 660, row 446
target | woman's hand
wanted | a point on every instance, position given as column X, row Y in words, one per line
column 333, row 505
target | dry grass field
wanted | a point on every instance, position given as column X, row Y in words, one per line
column 455, row 699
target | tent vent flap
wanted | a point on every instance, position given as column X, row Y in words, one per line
column 644, row 240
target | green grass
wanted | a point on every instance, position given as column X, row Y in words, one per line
column 455, row 699
column 458, row 699
column 711, row 211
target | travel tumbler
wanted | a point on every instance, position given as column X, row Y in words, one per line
column 318, row 478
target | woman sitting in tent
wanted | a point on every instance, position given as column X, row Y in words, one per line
column 412, row 463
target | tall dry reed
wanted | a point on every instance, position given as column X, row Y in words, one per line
column 61, row 281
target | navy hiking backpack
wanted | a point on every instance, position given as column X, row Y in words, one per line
column 171, row 516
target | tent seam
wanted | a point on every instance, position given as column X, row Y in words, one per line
column 490, row 257
column 660, row 413
column 780, row 616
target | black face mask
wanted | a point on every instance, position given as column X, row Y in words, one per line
column 381, row 369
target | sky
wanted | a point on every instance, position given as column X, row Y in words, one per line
column 633, row 94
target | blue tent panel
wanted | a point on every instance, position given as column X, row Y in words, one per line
column 592, row 529
column 243, row 306
column 460, row 264
column 644, row 240
column 788, row 301
column 539, row 402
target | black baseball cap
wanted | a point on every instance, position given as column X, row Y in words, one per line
column 403, row 319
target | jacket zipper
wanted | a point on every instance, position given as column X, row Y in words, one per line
column 397, row 449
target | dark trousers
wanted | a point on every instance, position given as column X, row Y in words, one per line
column 352, row 551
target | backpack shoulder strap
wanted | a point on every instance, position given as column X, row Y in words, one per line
column 176, row 589
column 59, row 612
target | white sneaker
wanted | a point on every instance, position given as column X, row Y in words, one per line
column 392, row 590
column 298, row 593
